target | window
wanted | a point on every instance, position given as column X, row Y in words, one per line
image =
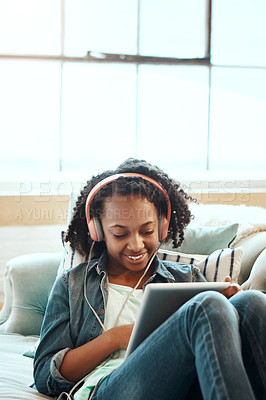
column 29, row 125
column 86, row 84
column 99, row 109
column 30, row 27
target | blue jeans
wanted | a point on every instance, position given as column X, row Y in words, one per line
column 219, row 343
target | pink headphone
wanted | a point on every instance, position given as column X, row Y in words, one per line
column 94, row 224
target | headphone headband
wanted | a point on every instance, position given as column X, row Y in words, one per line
column 94, row 224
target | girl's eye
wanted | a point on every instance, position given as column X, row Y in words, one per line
column 119, row 236
column 148, row 232
column 122, row 235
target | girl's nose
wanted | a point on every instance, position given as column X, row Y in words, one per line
column 135, row 243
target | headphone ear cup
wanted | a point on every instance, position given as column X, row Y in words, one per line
column 99, row 229
column 95, row 230
column 160, row 225
column 163, row 227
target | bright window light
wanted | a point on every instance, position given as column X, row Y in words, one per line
column 103, row 26
column 30, row 27
column 238, row 122
column 62, row 111
column 29, row 123
column 99, row 109
column 173, row 28
column 173, row 116
column 238, row 32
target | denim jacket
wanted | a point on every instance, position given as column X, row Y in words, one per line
column 69, row 322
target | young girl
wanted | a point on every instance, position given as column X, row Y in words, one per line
column 120, row 219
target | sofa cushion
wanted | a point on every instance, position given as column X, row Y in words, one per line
column 253, row 246
column 215, row 267
column 31, row 278
column 15, row 370
column 206, row 239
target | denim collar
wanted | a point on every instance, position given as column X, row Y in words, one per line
column 100, row 264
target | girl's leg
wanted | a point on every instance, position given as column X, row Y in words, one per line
column 201, row 338
column 194, row 392
column 251, row 307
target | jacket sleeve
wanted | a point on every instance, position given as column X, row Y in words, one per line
column 197, row 275
column 55, row 342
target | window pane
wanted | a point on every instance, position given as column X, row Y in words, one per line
column 238, row 32
column 238, row 119
column 173, row 28
column 102, row 26
column 29, row 123
column 30, row 27
column 98, row 116
column 173, row 116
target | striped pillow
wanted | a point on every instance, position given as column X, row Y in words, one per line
column 215, row 267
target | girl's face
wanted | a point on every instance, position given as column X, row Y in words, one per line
column 130, row 226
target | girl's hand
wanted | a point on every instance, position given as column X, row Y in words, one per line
column 121, row 335
column 80, row 361
column 232, row 289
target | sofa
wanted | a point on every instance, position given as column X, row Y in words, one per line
column 217, row 235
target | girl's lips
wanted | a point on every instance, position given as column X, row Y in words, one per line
column 135, row 258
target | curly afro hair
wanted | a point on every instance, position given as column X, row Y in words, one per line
column 78, row 234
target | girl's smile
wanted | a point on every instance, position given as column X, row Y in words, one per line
column 136, row 258
column 130, row 225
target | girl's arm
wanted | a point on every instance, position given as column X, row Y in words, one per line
column 58, row 364
column 80, row 361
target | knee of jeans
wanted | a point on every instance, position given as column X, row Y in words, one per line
column 211, row 297
column 212, row 311
column 213, row 304
column 249, row 301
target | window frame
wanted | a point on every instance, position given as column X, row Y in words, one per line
column 135, row 59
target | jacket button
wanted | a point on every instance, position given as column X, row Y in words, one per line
column 101, row 311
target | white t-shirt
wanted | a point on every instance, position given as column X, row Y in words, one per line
column 116, row 299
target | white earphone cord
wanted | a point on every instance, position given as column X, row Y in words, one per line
column 85, row 291
column 69, row 395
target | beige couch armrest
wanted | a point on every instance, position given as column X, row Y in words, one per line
column 257, row 278
column 253, row 246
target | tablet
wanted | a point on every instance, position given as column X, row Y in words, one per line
column 160, row 301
